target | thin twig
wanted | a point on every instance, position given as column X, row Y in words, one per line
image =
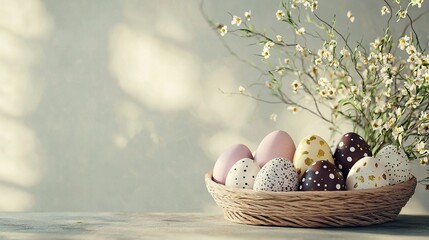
column 224, row 43
column 343, row 38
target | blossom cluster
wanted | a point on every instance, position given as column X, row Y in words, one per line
column 382, row 87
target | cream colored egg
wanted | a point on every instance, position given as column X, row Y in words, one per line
column 396, row 163
column 242, row 174
column 367, row 173
column 311, row 149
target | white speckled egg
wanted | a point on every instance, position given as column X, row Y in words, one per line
column 311, row 149
column 277, row 175
column 242, row 174
column 396, row 163
column 366, row 173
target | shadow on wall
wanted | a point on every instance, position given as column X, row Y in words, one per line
column 162, row 73
column 161, row 70
column 21, row 30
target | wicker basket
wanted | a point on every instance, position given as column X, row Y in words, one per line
column 311, row 209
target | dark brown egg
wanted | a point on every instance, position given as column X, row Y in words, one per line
column 350, row 149
column 322, row 176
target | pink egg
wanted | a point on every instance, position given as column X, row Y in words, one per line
column 227, row 159
column 277, row 144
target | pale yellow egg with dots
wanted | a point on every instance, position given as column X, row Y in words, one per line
column 311, row 149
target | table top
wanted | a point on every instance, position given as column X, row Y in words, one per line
column 59, row 225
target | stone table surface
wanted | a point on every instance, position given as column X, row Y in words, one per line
column 64, row 225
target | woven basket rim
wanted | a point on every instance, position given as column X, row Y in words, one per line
column 311, row 208
column 343, row 193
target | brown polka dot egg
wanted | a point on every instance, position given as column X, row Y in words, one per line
column 310, row 150
column 396, row 163
column 367, row 173
column 322, row 176
column 350, row 149
column 242, row 174
column 277, row 175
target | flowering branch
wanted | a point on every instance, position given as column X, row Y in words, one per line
column 385, row 96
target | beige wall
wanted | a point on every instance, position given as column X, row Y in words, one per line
column 115, row 105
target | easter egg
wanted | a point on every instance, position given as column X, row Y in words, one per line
column 227, row 159
column 242, row 174
column 367, row 173
column 277, row 144
column 322, row 176
column 277, row 175
column 396, row 163
column 350, row 149
column 310, row 150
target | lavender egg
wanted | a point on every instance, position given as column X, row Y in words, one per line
column 227, row 159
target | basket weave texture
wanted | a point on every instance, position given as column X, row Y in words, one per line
column 312, row 208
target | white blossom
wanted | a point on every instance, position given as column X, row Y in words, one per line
column 269, row 45
column 424, row 161
column 390, row 122
column 418, row 81
column 323, row 53
column 280, row 14
column 377, row 125
column 279, row 38
column 404, row 42
column 248, row 15
column 420, row 148
column 314, row 5
column 423, row 128
column 332, row 45
column 331, row 92
column 401, row 14
column 334, row 62
column 323, row 82
column 384, row 10
column 294, row 109
column 323, row 93
column 424, row 116
column 300, row 31
column 411, row 50
column 223, row 30
column 296, row 85
column 236, row 21
column 350, row 16
column 417, row 2
column 376, row 43
column 286, row 61
column 273, row 117
column 318, row 61
column 345, row 52
column 265, row 53
column 397, row 133
column 412, row 102
column 241, row 89
column 354, row 90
